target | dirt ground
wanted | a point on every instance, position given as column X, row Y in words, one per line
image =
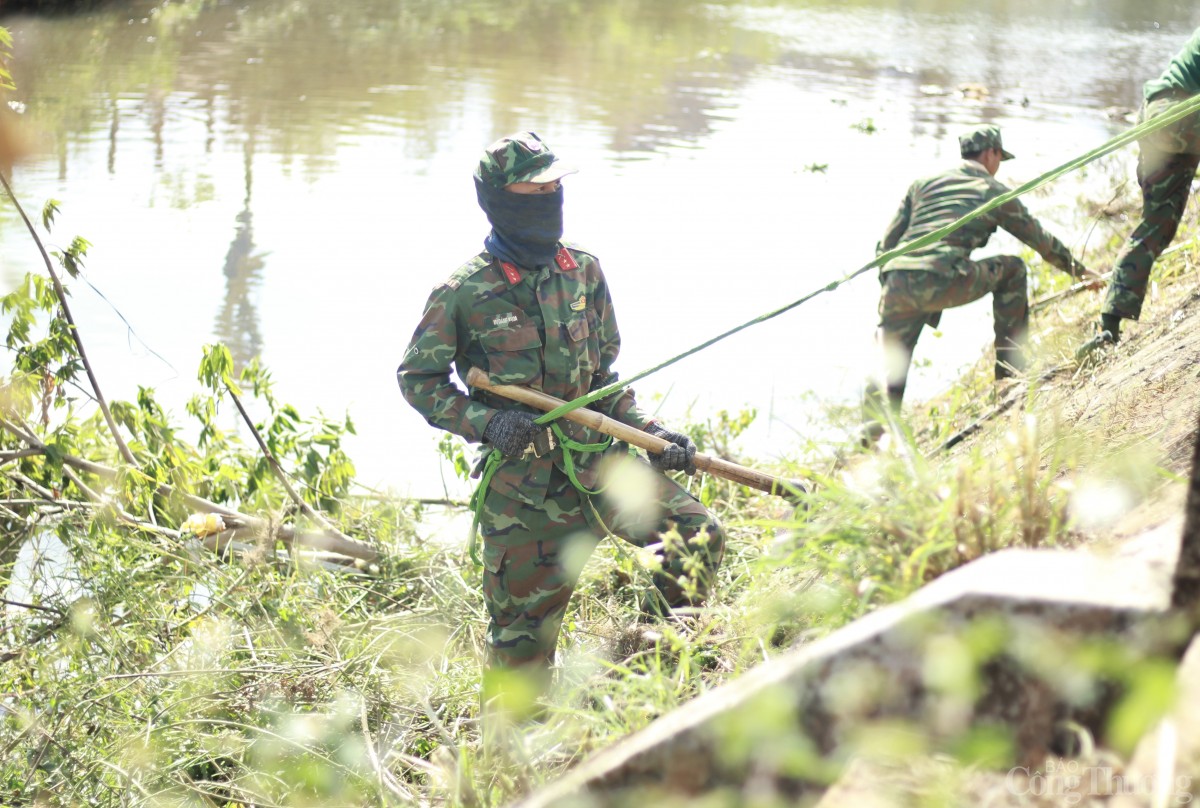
column 1143, row 393
column 1145, row 390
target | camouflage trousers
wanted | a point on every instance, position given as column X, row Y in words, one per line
column 533, row 556
column 910, row 299
column 1167, row 161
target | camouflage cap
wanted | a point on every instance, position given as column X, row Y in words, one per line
column 982, row 138
column 522, row 157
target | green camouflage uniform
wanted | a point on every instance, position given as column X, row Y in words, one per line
column 552, row 329
column 918, row 286
column 1167, row 162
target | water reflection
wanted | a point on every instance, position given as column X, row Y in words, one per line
column 338, row 139
column 237, row 322
column 314, row 71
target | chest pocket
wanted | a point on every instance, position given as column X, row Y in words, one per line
column 514, row 356
column 585, row 347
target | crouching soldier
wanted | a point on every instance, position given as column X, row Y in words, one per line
column 918, row 286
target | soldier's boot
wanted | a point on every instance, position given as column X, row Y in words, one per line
column 1010, row 362
column 1087, row 350
column 691, row 557
column 510, row 697
column 869, row 433
column 874, row 415
column 1109, row 334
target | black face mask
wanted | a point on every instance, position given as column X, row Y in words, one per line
column 526, row 228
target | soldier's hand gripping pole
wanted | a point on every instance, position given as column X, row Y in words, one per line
column 789, row 489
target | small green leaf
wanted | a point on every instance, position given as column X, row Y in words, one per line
column 49, row 211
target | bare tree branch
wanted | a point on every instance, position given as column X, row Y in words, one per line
column 280, row 474
column 32, row 606
column 8, row 457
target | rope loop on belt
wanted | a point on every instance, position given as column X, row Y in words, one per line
column 495, row 459
column 569, row 445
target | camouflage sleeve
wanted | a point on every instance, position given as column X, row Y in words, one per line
column 424, row 374
column 621, row 406
column 1015, row 218
column 895, row 230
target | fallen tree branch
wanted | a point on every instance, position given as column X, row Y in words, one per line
column 1015, row 395
column 1071, row 290
column 121, row 513
column 45, row 493
column 8, row 457
column 332, row 542
column 62, row 504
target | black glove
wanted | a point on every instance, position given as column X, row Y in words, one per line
column 510, row 431
column 678, row 456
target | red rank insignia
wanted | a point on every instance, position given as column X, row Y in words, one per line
column 511, row 273
column 565, row 261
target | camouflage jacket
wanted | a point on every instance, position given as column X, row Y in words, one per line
column 936, row 201
column 1182, row 74
column 551, row 329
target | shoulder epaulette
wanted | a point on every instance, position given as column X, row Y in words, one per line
column 575, row 248
column 468, row 269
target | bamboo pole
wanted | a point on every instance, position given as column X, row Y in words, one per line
column 599, row 422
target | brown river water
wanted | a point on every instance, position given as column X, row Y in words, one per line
column 292, row 177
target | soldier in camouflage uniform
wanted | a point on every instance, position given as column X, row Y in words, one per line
column 531, row 310
column 1167, row 161
column 917, row 287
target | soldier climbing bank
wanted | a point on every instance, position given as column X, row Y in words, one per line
column 918, row 286
column 1167, row 162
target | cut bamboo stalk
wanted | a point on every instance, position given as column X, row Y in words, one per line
column 599, row 422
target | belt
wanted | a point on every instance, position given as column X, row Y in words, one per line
column 542, row 444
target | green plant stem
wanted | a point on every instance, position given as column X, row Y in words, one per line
column 1178, row 112
column 66, row 310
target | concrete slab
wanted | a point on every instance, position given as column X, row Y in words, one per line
column 790, row 724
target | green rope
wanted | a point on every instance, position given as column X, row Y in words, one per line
column 568, row 445
column 495, row 459
column 490, row 465
column 1175, row 113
